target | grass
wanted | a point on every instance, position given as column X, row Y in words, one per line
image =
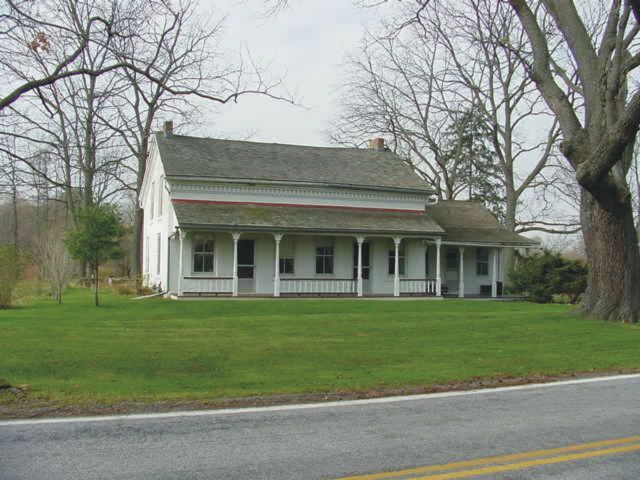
column 166, row 350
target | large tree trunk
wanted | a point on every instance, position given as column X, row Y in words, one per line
column 611, row 244
column 96, row 283
column 136, row 247
column 511, row 200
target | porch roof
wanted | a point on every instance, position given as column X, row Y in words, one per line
column 471, row 222
column 206, row 215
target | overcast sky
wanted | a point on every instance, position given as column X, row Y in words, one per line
column 307, row 43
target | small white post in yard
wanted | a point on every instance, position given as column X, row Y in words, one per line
column 181, row 236
column 396, row 269
column 494, row 274
column 438, row 277
column 276, row 276
column 236, row 237
column 461, row 279
column 360, row 241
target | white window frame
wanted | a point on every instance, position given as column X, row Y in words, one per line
column 480, row 261
column 160, row 198
column 159, row 251
column 287, row 252
column 152, row 200
column 330, row 245
column 194, row 240
column 147, row 254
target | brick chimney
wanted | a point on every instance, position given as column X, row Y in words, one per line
column 377, row 144
column 168, row 128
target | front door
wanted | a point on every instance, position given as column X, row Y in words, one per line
column 452, row 269
column 366, row 265
column 246, row 266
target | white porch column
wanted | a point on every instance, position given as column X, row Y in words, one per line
column 396, row 268
column 360, row 241
column 494, row 274
column 236, row 237
column 438, row 276
column 181, row 236
column 461, row 278
column 276, row 276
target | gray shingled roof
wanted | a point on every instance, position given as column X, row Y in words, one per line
column 184, row 156
column 471, row 222
column 259, row 217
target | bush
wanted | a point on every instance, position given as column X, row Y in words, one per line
column 544, row 275
column 11, row 264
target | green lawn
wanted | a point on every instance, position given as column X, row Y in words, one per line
column 166, row 350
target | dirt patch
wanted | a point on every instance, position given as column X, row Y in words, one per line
column 14, row 405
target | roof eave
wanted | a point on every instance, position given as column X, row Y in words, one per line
column 196, row 178
column 267, row 228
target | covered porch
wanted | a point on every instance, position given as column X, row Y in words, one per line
column 265, row 250
column 235, row 263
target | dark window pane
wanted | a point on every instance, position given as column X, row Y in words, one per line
column 245, row 252
column 245, row 272
column 482, row 268
column 319, row 265
column 392, row 264
column 426, row 263
column 198, row 263
column 208, row 263
column 286, row 265
column 328, row 267
column 401, row 265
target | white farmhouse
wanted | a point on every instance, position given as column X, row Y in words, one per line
column 225, row 217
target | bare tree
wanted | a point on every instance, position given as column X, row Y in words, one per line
column 597, row 137
column 180, row 49
column 87, row 135
column 56, row 34
column 398, row 88
column 412, row 82
column 54, row 261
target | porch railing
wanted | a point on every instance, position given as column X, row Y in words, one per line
column 301, row 286
column 207, row 285
column 417, row 286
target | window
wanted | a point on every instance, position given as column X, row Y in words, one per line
column 159, row 249
column 426, row 262
column 202, row 254
column 482, row 261
column 153, row 199
column 147, row 246
column 452, row 260
column 392, row 260
column 324, row 259
column 160, row 198
column 286, row 265
column 287, row 262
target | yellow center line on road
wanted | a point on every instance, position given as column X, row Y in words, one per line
column 530, row 463
column 515, row 457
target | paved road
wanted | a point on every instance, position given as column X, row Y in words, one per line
column 339, row 441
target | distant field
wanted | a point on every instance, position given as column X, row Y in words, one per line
column 189, row 350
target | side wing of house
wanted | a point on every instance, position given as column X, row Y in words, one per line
column 158, row 225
